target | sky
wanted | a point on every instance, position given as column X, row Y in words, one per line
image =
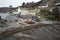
column 14, row 3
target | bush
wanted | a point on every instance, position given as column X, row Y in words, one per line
column 51, row 18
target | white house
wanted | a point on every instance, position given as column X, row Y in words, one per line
column 15, row 13
column 19, row 10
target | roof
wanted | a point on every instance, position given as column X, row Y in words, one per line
column 24, row 12
column 15, row 12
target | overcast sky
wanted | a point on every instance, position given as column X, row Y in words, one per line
column 14, row 3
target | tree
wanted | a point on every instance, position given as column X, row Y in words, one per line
column 56, row 12
column 27, row 3
column 10, row 9
column 23, row 4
